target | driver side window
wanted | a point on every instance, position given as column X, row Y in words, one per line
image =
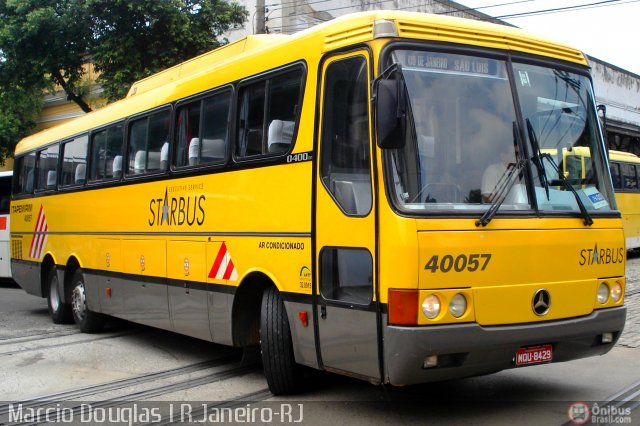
column 345, row 135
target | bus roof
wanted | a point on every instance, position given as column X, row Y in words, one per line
column 238, row 60
column 623, row 156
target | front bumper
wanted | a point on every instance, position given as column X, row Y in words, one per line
column 469, row 349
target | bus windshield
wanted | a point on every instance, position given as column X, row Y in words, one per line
column 465, row 137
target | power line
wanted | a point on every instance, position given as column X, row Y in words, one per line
column 558, row 9
column 603, row 3
column 584, row 7
column 464, row 9
column 458, row 10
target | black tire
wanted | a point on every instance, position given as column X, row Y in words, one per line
column 86, row 320
column 60, row 312
column 283, row 375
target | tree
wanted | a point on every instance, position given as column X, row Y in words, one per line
column 17, row 110
column 157, row 34
column 46, row 44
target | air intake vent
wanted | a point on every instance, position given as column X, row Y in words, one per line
column 348, row 37
column 16, row 249
column 479, row 36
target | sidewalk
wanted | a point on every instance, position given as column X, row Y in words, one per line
column 631, row 335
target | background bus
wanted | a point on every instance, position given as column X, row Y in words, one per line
column 257, row 196
column 5, row 197
column 625, row 175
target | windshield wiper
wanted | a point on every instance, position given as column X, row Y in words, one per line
column 588, row 220
column 537, row 157
column 504, row 185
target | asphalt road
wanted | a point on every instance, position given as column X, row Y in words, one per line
column 140, row 375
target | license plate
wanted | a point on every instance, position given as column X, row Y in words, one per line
column 534, row 355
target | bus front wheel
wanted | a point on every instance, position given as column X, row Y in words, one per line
column 86, row 320
column 60, row 312
column 280, row 369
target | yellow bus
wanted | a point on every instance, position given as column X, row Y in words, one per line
column 625, row 174
column 367, row 197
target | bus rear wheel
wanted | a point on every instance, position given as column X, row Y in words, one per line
column 60, row 312
column 283, row 375
column 86, row 320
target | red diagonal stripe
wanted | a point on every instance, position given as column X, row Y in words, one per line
column 229, row 271
column 43, row 238
column 218, row 261
column 33, row 240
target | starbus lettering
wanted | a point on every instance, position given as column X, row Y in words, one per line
column 177, row 210
column 601, row 256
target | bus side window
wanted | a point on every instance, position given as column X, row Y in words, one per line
column 106, row 153
column 24, row 175
column 202, row 131
column 74, row 161
column 148, row 143
column 269, row 111
column 47, row 166
column 615, row 175
column 344, row 159
column 629, row 177
column 215, row 132
column 187, row 134
column 347, row 275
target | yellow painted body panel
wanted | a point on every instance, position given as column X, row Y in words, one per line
column 118, row 229
column 505, row 267
column 629, row 205
column 522, row 256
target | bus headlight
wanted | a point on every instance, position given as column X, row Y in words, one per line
column 616, row 291
column 603, row 293
column 458, row 305
column 431, row 306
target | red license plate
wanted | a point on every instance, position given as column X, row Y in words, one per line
column 534, row 355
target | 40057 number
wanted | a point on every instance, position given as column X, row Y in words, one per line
column 460, row 263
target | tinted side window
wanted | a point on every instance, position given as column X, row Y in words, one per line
column 346, row 275
column 615, row 175
column 24, row 175
column 106, row 153
column 201, row 131
column 345, row 135
column 47, row 168
column 74, row 162
column 149, row 144
column 629, row 177
column 268, row 113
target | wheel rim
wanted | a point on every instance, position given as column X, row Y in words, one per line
column 79, row 301
column 54, row 297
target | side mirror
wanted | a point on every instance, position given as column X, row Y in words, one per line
column 391, row 111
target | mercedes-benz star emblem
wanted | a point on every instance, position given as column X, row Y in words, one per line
column 541, row 302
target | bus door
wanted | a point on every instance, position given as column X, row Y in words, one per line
column 347, row 332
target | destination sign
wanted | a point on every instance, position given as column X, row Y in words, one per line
column 453, row 63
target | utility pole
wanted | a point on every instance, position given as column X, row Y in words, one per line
column 260, row 28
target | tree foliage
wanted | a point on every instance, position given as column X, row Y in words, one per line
column 46, row 44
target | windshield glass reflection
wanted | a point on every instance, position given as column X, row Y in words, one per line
column 463, row 137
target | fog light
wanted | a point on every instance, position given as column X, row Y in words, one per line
column 616, row 291
column 431, row 306
column 430, row 361
column 607, row 337
column 458, row 305
column 603, row 293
